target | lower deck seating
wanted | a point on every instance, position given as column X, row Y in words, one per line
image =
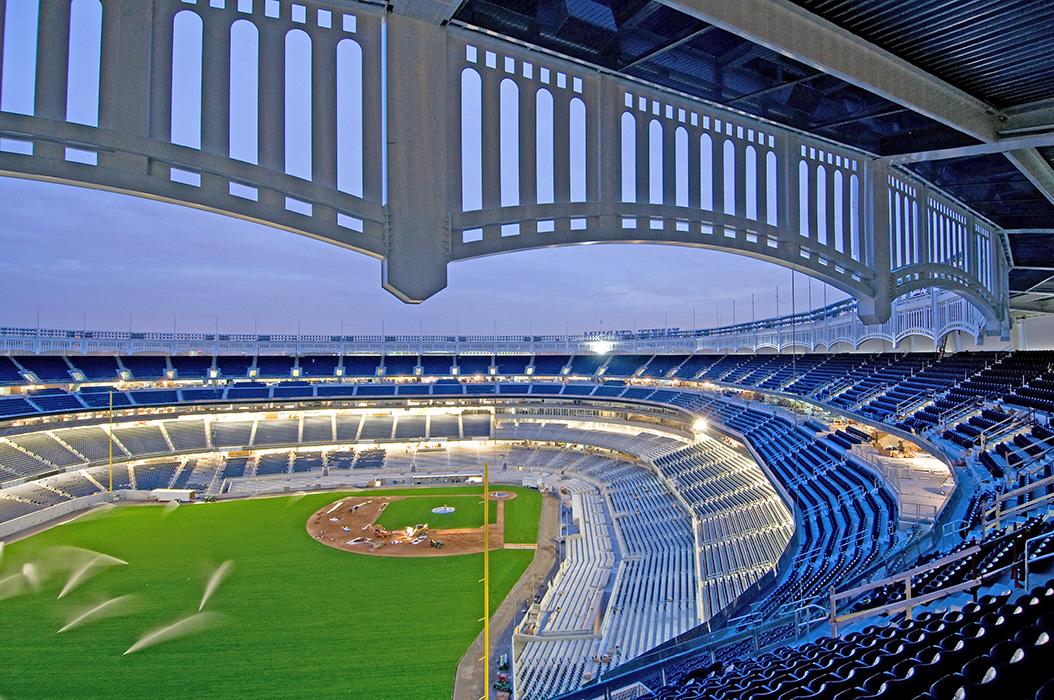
column 234, row 467
column 121, row 477
column 342, row 459
column 48, row 448
column 370, row 459
column 997, row 647
column 273, row 464
column 187, row 434
column 846, row 517
column 628, row 571
column 744, row 526
column 202, row 473
column 11, row 508
column 154, row 476
column 75, row 484
column 142, row 440
column 18, row 462
column 307, row 462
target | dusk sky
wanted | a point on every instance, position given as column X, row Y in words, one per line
column 70, row 251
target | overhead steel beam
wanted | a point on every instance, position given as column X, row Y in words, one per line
column 667, row 47
column 1003, row 145
column 803, row 36
column 1034, row 116
column 1036, row 168
column 1038, row 303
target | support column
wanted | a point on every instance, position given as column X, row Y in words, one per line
column 216, row 83
column 740, row 176
column 369, row 38
column 761, row 188
column 216, row 96
column 669, row 161
column 922, row 226
column 847, row 214
column 787, row 185
column 53, row 30
column 490, row 105
column 561, row 144
column 643, row 160
column 718, row 180
column 418, row 212
column 812, row 214
column 528, row 143
column 877, row 309
column 324, row 110
column 160, row 123
column 693, row 166
column 604, row 163
column 828, row 212
column 603, row 140
column 271, row 96
column 124, row 83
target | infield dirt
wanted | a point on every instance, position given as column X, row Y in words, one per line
column 349, row 524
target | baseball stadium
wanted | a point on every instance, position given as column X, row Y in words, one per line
column 851, row 497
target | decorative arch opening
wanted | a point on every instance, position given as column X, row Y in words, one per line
column 244, row 92
column 186, row 79
column 681, row 166
column 706, row 172
column 655, row 157
column 471, row 140
column 298, row 127
column 577, row 145
column 18, row 80
column 350, row 160
column 629, row 158
column 509, row 140
column 85, row 61
column 729, row 176
column 545, row 175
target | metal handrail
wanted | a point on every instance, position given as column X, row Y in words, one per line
column 1028, row 544
column 954, row 414
column 1032, row 461
column 1007, row 425
column 961, row 524
column 998, row 513
column 906, row 576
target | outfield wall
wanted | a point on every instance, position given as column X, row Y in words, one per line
column 30, row 522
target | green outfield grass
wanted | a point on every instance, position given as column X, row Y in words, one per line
column 299, row 619
column 521, row 514
column 468, row 512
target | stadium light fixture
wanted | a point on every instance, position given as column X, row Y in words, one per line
column 601, row 347
column 700, row 425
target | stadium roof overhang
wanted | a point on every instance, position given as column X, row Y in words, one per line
column 960, row 94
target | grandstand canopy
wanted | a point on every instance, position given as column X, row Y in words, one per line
column 960, row 93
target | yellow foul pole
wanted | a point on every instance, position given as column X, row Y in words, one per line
column 486, row 581
column 110, row 435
